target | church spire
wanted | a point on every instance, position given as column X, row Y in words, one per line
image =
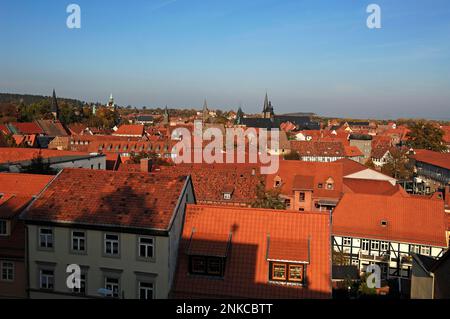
column 166, row 117
column 266, row 104
column 54, row 107
column 205, row 111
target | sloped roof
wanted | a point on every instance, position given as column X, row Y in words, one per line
column 137, row 200
column 433, row 158
column 130, row 130
column 247, row 268
column 409, row 219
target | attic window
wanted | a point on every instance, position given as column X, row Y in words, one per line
column 320, row 185
column 384, row 223
column 227, row 196
column 277, row 181
column 208, row 253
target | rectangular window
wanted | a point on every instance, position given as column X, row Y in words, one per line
column 279, row 272
column 46, row 238
column 365, row 244
column 384, row 246
column 302, row 197
column 3, row 228
column 46, row 279
column 374, row 245
column 295, row 273
column 145, row 290
column 347, row 241
column 7, row 270
column 414, row 249
column 82, row 289
column 111, row 244
column 202, row 265
column 425, row 251
column 146, row 247
column 286, row 272
column 78, row 241
column 198, row 265
column 112, row 284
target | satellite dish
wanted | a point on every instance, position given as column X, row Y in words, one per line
column 105, row 292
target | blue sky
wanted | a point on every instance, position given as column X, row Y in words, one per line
column 312, row 56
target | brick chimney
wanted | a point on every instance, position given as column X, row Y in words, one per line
column 146, row 165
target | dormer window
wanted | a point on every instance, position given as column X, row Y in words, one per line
column 320, row 185
column 287, row 260
column 384, row 223
column 208, row 254
column 330, row 183
column 277, row 181
column 227, row 196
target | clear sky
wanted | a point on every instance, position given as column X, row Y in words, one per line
column 311, row 56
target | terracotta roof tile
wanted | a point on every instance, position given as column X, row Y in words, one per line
column 247, row 268
column 433, row 158
column 130, row 130
column 138, row 200
column 409, row 219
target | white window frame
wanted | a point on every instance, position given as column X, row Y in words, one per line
column 9, row 266
column 49, row 238
column 425, row 250
column 363, row 243
column 146, row 245
column 414, row 249
column 346, row 241
column 374, row 245
column 47, row 279
column 78, row 239
column 146, row 289
column 112, row 241
column 112, row 285
column 384, row 246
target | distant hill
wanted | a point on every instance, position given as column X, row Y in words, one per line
column 30, row 99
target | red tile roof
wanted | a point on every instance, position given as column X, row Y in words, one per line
column 212, row 180
column 138, row 200
column 433, row 158
column 297, row 173
column 350, row 166
column 352, row 151
column 12, row 154
column 288, row 250
column 247, row 268
column 130, row 130
column 318, row 148
column 28, row 128
column 409, row 219
column 368, row 186
column 23, row 184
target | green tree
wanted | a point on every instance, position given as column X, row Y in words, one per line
column 268, row 199
column 398, row 164
column 39, row 166
column 426, row 135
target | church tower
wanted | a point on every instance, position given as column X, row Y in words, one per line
column 166, row 117
column 267, row 112
column 205, row 112
column 54, row 107
column 111, row 104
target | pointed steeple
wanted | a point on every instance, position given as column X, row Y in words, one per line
column 205, row 111
column 239, row 116
column 54, row 107
column 166, row 117
column 266, row 103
